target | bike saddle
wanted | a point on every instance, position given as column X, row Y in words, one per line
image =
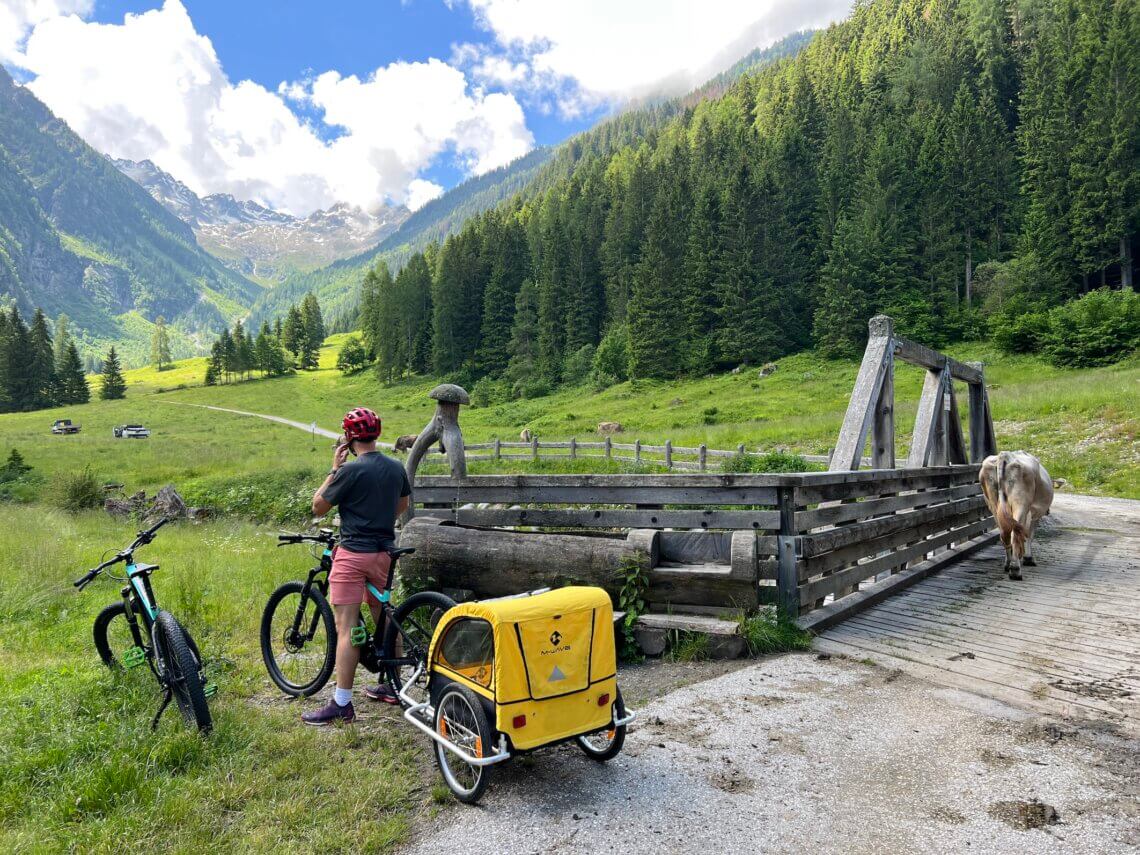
column 398, row 553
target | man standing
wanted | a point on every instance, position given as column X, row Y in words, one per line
column 370, row 492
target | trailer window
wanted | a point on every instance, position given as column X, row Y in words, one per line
column 468, row 648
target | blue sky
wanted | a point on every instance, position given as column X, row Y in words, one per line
column 300, row 104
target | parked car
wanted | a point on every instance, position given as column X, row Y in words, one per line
column 60, row 426
column 130, row 432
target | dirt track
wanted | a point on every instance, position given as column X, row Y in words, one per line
column 801, row 754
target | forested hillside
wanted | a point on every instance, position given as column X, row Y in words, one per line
column 77, row 236
column 964, row 165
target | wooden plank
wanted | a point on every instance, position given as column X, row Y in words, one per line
column 846, row 555
column 615, row 518
column 861, row 406
column 918, row 354
column 689, row 623
column 837, row 581
column 813, row 492
column 508, row 494
column 978, row 417
column 867, row 530
column 662, row 480
column 870, row 508
column 831, row 614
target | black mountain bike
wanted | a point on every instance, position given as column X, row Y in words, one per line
column 298, row 632
column 136, row 632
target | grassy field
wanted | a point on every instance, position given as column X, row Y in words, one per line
column 83, row 772
column 1082, row 423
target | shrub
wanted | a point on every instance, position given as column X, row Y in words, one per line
column 769, row 632
column 1019, row 333
column 612, row 356
column 488, row 392
column 353, row 356
column 270, row 497
column 76, row 491
column 576, row 369
column 532, row 387
column 777, row 461
column 1100, row 328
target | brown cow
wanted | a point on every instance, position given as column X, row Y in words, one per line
column 405, row 442
column 1019, row 492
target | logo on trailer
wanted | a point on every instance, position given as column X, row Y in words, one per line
column 555, row 637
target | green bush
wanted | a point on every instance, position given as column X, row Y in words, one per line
column 1019, row 333
column 533, row 387
column 577, row 367
column 1100, row 328
column 777, row 461
column 76, row 491
column 270, row 497
column 612, row 356
column 353, row 356
column 488, row 392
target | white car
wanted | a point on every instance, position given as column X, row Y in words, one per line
column 131, row 432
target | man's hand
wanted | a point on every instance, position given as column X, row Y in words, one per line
column 340, row 454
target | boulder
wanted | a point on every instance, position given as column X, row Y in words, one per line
column 768, row 369
column 676, row 402
column 610, row 427
column 166, row 504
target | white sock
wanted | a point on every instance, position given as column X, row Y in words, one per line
column 343, row 697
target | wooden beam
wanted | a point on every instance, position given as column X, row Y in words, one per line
column 955, row 440
column 932, row 360
column 927, row 423
column 861, row 408
column 883, row 428
column 978, row 417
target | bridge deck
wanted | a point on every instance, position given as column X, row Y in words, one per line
column 1065, row 641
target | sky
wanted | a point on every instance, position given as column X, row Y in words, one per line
column 301, row 104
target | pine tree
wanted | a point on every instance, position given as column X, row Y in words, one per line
column 698, row 286
column 71, row 382
column 294, row 336
column 41, row 363
column 524, row 334
column 160, row 345
column 509, row 267
column 314, row 331
column 113, row 385
column 62, row 338
column 20, row 381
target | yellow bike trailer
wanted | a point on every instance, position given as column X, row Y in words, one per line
column 514, row 674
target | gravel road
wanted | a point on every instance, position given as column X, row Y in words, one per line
column 804, row 754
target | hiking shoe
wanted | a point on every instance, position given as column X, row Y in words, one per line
column 381, row 692
column 330, row 713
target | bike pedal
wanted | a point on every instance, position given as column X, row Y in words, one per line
column 358, row 636
column 133, row 657
column 210, row 689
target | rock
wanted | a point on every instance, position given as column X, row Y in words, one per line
column 652, row 641
column 768, row 369
column 676, row 402
column 526, row 435
column 610, row 427
column 739, row 368
column 199, row 514
column 405, row 442
column 166, row 504
column 118, row 507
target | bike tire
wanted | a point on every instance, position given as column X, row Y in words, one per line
column 102, row 633
column 181, row 671
column 467, row 722
column 293, row 686
column 431, row 603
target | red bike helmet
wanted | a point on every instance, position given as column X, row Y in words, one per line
column 362, row 424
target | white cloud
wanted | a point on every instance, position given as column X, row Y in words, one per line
column 420, row 192
column 154, row 88
column 19, row 17
column 608, row 52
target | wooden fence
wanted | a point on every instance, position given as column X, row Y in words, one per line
column 701, row 458
column 723, row 542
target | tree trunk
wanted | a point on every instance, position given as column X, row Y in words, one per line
column 1103, row 276
column 969, row 265
column 1126, row 261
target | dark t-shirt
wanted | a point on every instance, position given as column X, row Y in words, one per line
column 366, row 491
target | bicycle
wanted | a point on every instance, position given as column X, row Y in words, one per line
column 298, row 632
column 151, row 636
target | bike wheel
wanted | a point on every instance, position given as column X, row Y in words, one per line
column 606, row 744
column 180, row 671
column 299, row 662
column 113, row 634
column 417, row 616
column 461, row 719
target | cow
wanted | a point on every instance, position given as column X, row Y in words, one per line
column 526, row 435
column 1019, row 492
column 405, row 442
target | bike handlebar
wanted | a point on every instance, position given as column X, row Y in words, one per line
column 288, row 539
column 144, row 537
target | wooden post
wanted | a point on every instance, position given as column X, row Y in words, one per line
column 534, row 447
column 787, row 580
column 609, row 448
column 928, row 421
column 981, row 426
column 498, row 449
column 573, row 447
column 669, row 454
column 883, row 426
column 703, row 456
column 443, row 427
column 861, row 410
column 637, row 451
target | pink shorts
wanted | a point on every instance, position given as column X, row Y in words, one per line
column 350, row 570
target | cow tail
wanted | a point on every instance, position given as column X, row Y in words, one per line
column 1005, row 519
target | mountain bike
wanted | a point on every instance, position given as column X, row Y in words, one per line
column 298, row 632
column 142, row 633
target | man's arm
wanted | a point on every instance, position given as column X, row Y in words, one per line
column 402, row 505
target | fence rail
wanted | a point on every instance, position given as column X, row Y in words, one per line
column 667, row 456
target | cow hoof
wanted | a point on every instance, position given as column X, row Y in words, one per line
column 1028, row 561
column 1015, row 577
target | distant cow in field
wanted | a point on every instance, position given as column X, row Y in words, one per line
column 526, row 435
column 1019, row 492
column 405, row 442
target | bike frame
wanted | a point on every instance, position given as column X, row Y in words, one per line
column 138, row 590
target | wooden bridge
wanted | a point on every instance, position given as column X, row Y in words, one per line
column 899, row 565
